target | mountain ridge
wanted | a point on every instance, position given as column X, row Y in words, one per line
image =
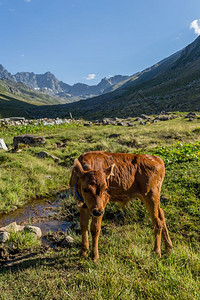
column 49, row 84
column 173, row 84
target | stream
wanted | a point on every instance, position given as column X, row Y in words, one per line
column 41, row 213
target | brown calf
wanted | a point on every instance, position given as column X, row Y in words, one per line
column 100, row 177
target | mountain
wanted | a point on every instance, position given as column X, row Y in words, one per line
column 4, row 74
column 172, row 84
column 49, row 84
column 18, row 100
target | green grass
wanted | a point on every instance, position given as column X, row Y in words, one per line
column 127, row 268
column 23, row 240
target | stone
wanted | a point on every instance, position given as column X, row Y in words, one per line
column 164, row 117
column 131, row 124
column 122, row 123
column 47, row 176
column 44, row 154
column 68, row 241
column 144, row 117
column 3, row 145
column 108, row 121
column 191, row 119
column 4, row 236
column 142, row 123
column 17, row 118
column 33, row 229
column 12, row 227
column 28, row 139
column 191, row 115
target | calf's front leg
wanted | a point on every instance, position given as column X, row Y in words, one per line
column 84, row 219
column 95, row 231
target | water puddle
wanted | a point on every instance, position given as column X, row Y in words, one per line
column 40, row 213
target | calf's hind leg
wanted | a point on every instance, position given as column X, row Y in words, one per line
column 152, row 203
column 165, row 233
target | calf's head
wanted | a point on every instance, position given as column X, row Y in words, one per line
column 93, row 186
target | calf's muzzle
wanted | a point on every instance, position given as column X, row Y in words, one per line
column 97, row 213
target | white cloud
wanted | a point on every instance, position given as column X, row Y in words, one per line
column 196, row 26
column 22, row 55
column 27, row 0
column 90, row 76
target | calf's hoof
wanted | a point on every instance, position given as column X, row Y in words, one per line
column 83, row 253
column 168, row 249
column 157, row 253
column 95, row 256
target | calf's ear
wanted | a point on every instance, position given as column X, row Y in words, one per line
column 109, row 171
column 78, row 168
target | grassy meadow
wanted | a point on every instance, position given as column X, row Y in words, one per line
column 127, row 268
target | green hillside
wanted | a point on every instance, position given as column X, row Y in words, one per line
column 18, row 100
column 170, row 85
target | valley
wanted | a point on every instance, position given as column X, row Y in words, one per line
column 35, row 271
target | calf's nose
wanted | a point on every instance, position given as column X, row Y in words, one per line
column 97, row 213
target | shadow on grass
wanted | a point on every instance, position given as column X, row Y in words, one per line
column 34, row 259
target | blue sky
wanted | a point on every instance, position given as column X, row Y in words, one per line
column 86, row 40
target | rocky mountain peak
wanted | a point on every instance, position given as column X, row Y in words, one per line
column 48, row 83
column 4, row 74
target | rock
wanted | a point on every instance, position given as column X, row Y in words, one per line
column 138, row 119
column 68, row 241
column 191, row 119
column 4, row 236
column 191, row 115
column 3, row 145
column 12, row 227
column 144, row 117
column 108, row 121
column 17, row 118
column 162, row 118
column 33, row 229
column 142, row 123
column 47, row 176
column 44, row 154
column 131, row 124
column 122, row 123
column 28, row 139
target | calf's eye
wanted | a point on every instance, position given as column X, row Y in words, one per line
column 85, row 190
